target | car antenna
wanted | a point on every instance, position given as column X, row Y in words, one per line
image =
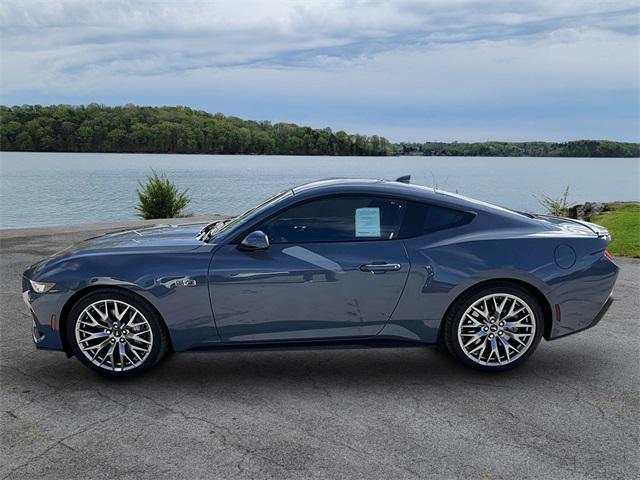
column 404, row 179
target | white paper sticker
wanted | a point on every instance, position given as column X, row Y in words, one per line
column 368, row 222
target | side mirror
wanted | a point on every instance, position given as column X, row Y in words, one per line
column 257, row 240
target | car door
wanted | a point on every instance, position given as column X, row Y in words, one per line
column 334, row 269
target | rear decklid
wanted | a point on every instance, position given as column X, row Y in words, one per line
column 574, row 226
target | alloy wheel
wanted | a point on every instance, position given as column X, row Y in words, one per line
column 114, row 335
column 497, row 329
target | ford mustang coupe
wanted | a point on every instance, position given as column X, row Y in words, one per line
column 339, row 263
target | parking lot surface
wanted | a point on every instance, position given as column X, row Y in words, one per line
column 572, row 411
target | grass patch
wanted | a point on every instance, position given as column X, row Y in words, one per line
column 623, row 222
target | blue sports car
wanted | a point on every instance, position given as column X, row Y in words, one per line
column 333, row 263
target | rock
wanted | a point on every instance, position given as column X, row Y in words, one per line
column 587, row 210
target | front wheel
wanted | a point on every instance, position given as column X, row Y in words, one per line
column 495, row 327
column 115, row 333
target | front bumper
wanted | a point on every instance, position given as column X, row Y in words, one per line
column 44, row 309
column 36, row 328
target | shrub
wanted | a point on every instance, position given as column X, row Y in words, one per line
column 160, row 198
column 558, row 207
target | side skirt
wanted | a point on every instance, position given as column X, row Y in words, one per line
column 316, row 345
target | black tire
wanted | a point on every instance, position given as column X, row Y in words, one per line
column 455, row 316
column 159, row 335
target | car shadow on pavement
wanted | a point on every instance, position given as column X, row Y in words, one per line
column 355, row 368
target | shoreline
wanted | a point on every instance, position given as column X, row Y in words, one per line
column 6, row 233
column 394, row 155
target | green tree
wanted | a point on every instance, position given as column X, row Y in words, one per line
column 131, row 128
column 160, row 198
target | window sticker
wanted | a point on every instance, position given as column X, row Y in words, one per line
column 368, row 222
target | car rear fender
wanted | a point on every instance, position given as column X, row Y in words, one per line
column 530, row 284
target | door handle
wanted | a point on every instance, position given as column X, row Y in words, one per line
column 380, row 267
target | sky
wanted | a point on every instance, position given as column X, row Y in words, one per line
column 432, row 70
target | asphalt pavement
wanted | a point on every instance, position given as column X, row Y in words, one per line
column 572, row 411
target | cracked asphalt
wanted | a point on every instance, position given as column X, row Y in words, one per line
column 572, row 411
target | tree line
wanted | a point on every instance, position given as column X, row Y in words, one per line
column 578, row 148
column 136, row 129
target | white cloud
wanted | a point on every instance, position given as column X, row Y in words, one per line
column 411, row 63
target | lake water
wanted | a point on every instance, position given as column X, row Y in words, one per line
column 38, row 189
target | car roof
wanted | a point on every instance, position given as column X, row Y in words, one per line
column 400, row 189
column 360, row 184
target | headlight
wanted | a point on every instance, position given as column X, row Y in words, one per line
column 41, row 287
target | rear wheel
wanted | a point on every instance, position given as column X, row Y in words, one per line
column 115, row 333
column 495, row 327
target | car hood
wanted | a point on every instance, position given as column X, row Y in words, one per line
column 182, row 236
column 159, row 238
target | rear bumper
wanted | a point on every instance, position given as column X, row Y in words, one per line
column 594, row 322
column 582, row 296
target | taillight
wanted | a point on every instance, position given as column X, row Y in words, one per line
column 609, row 256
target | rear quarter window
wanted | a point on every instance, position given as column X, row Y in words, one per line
column 422, row 218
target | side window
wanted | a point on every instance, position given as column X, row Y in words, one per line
column 337, row 219
column 422, row 218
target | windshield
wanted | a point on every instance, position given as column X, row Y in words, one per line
column 240, row 220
